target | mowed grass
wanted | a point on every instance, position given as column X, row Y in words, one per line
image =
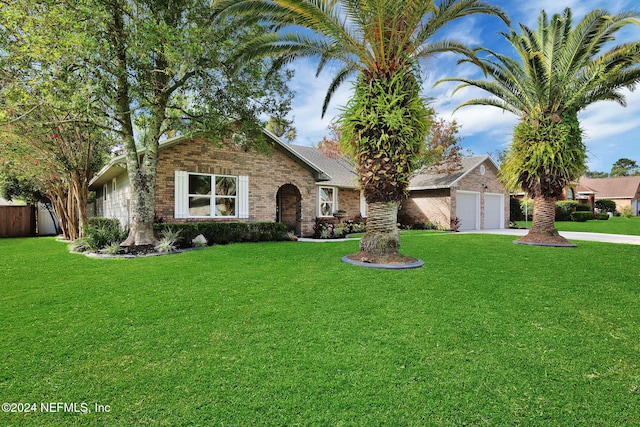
column 614, row 225
column 486, row 333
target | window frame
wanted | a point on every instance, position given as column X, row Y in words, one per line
column 213, row 196
column 333, row 203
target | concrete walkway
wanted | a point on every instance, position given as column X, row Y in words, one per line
column 570, row 235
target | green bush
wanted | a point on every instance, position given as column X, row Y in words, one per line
column 221, row 233
column 526, row 208
column 581, row 216
column 564, row 208
column 99, row 234
column 515, row 210
column 102, row 222
column 602, row 216
column 425, row 226
column 627, row 212
column 583, row 208
column 605, row 205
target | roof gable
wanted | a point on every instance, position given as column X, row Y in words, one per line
column 426, row 179
column 117, row 165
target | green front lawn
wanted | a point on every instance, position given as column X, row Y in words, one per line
column 486, row 333
column 614, row 225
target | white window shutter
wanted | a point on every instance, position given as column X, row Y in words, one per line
column 243, row 197
column 181, row 195
column 363, row 205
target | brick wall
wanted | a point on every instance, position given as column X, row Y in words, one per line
column 267, row 173
column 426, row 206
column 475, row 181
column 349, row 200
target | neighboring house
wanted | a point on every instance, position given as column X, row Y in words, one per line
column 472, row 194
column 201, row 181
column 624, row 190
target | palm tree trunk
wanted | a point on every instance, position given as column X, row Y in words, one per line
column 543, row 230
column 382, row 237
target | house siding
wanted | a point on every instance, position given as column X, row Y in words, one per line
column 116, row 203
column 267, row 173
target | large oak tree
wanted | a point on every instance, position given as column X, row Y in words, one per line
column 159, row 67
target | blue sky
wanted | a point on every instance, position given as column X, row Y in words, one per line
column 611, row 131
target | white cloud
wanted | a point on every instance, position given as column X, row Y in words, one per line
column 307, row 104
column 610, row 130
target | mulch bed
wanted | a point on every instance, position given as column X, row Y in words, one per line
column 394, row 259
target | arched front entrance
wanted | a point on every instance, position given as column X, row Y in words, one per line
column 289, row 208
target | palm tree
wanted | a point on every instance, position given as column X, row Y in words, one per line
column 381, row 43
column 560, row 70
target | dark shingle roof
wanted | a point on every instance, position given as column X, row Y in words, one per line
column 427, row 179
column 340, row 170
column 343, row 174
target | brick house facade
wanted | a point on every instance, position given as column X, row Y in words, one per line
column 279, row 186
column 472, row 194
column 199, row 180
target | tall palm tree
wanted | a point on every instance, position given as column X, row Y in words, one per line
column 560, row 69
column 381, row 43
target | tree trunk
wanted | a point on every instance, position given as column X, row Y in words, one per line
column 143, row 192
column 382, row 236
column 543, row 230
column 81, row 192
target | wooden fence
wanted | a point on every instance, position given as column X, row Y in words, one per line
column 17, row 221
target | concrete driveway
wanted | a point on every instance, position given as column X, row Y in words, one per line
column 570, row 235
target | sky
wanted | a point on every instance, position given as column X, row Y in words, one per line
column 611, row 131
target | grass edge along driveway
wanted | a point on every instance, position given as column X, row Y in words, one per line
column 486, row 333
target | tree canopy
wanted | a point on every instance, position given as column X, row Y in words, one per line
column 558, row 70
column 145, row 69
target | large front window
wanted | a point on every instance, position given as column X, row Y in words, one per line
column 212, row 195
column 328, row 196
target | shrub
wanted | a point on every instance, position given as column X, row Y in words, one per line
column 102, row 222
column 168, row 240
column 112, row 249
column 515, row 209
column 221, row 233
column 455, row 223
column 605, row 205
column 101, row 233
column 581, row 216
column 627, row 212
column 424, row 226
column 583, row 208
column 564, row 208
column 602, row 216
column 329, row 228
column 526, row 209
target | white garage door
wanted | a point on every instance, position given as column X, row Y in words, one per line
column 468, row 209
column 493, row 207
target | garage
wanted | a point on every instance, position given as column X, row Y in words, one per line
column 493, row 211
column 468, row 210
column 473, row 194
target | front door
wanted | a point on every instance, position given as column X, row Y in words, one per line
column 289, row 208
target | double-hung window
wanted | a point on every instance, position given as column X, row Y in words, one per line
column 211, row 196
column 328, row 201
